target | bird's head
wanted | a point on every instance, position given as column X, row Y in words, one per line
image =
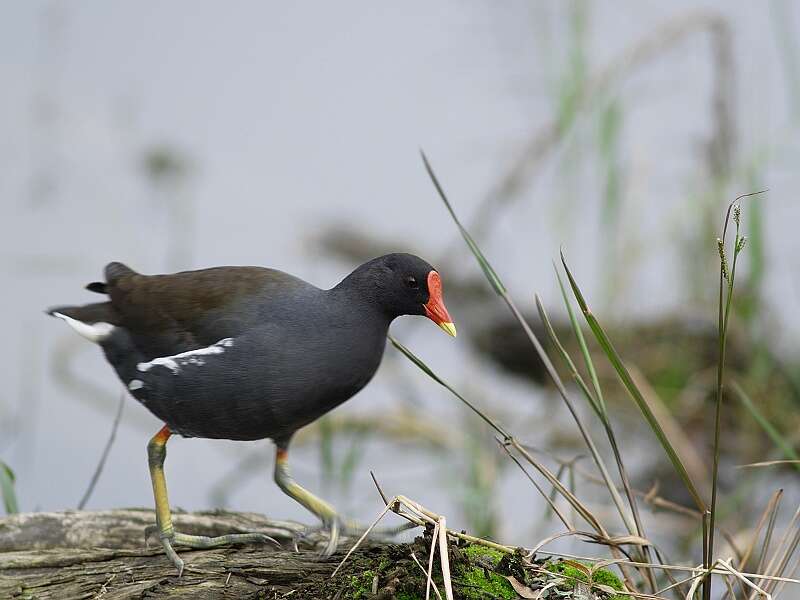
column 404, row 284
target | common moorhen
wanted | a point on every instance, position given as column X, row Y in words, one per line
column 247, row 353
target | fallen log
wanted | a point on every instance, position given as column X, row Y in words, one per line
column 79, row 554
column 102, row 554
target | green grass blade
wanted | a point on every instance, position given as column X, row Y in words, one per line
column 636, row 526
column 427, row 370
column 326, row 457
column 490, row 273
column 551, row 333
column 780, row 442
column 587, row 358
column 507, row 439
column 7, row 489
column 633, row 390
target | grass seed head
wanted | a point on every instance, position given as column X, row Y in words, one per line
column 723, row 260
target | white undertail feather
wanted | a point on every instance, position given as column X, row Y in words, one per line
column 94, row 333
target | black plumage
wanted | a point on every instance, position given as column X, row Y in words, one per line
column 293, row 351
column 246, row 353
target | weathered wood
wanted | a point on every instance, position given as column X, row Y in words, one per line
column 81, row 555
column 62, row 556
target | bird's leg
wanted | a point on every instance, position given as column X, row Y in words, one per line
column 327, row 514
column 156, row 453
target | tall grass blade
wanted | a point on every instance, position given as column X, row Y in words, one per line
column 501, row 290
column 587, row 358
column 573, row 370
column 727, row 277
column 484, row 264
column 630, row 386
column 429, row 372
column 327, row 461
column 7, row 489
column 506, row 438
column 551, row 371
column 637, row 527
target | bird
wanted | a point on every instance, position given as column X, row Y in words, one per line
column 249, row 353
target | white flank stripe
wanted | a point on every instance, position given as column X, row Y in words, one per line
column 175, row 362
column 94, row 333
column 135, row 384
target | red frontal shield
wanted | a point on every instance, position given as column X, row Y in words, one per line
column 435, row 309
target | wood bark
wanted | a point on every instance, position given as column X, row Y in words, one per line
column 102, row 554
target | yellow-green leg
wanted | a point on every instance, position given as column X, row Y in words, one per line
column 326, row 513
column 156, row 453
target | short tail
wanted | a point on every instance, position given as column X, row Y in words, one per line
column 95, row 322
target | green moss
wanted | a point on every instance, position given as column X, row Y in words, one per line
column 605, row 577
column 601, row 576
column 474, row 551
column 361, row 585
column 479, row 582
column 472, row 577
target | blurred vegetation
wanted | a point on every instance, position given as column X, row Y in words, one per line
column 7, row 489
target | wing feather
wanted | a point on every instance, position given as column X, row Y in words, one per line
column 167, row 314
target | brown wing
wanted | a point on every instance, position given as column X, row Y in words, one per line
column 167, row 314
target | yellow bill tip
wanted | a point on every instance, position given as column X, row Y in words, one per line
column 448, row 328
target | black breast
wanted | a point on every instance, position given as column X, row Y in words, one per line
column 287, row 364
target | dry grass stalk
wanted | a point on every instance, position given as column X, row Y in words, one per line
column 783, row 553
column 770, row 511
column 430, row 562
column 428, row 574
column 445, row 558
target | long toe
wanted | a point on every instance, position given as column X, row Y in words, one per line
column 202, row 541
column 172, row 555
column 333, row 540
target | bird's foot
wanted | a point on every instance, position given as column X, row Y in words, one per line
column 331, row 526
column 168, row 539
column 333, row 538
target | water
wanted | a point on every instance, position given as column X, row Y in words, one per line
column 290, row 119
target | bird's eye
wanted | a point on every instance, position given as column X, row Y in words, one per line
column 412, row 282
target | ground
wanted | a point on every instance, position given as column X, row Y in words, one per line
column 102, row 555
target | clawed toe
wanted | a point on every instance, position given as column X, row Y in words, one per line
column 171, row 539
column 232, row 539
column 172, row 555
column 333, row 540
column 332, row 529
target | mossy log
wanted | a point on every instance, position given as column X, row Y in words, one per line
column 81, row 555
column 103, row 555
